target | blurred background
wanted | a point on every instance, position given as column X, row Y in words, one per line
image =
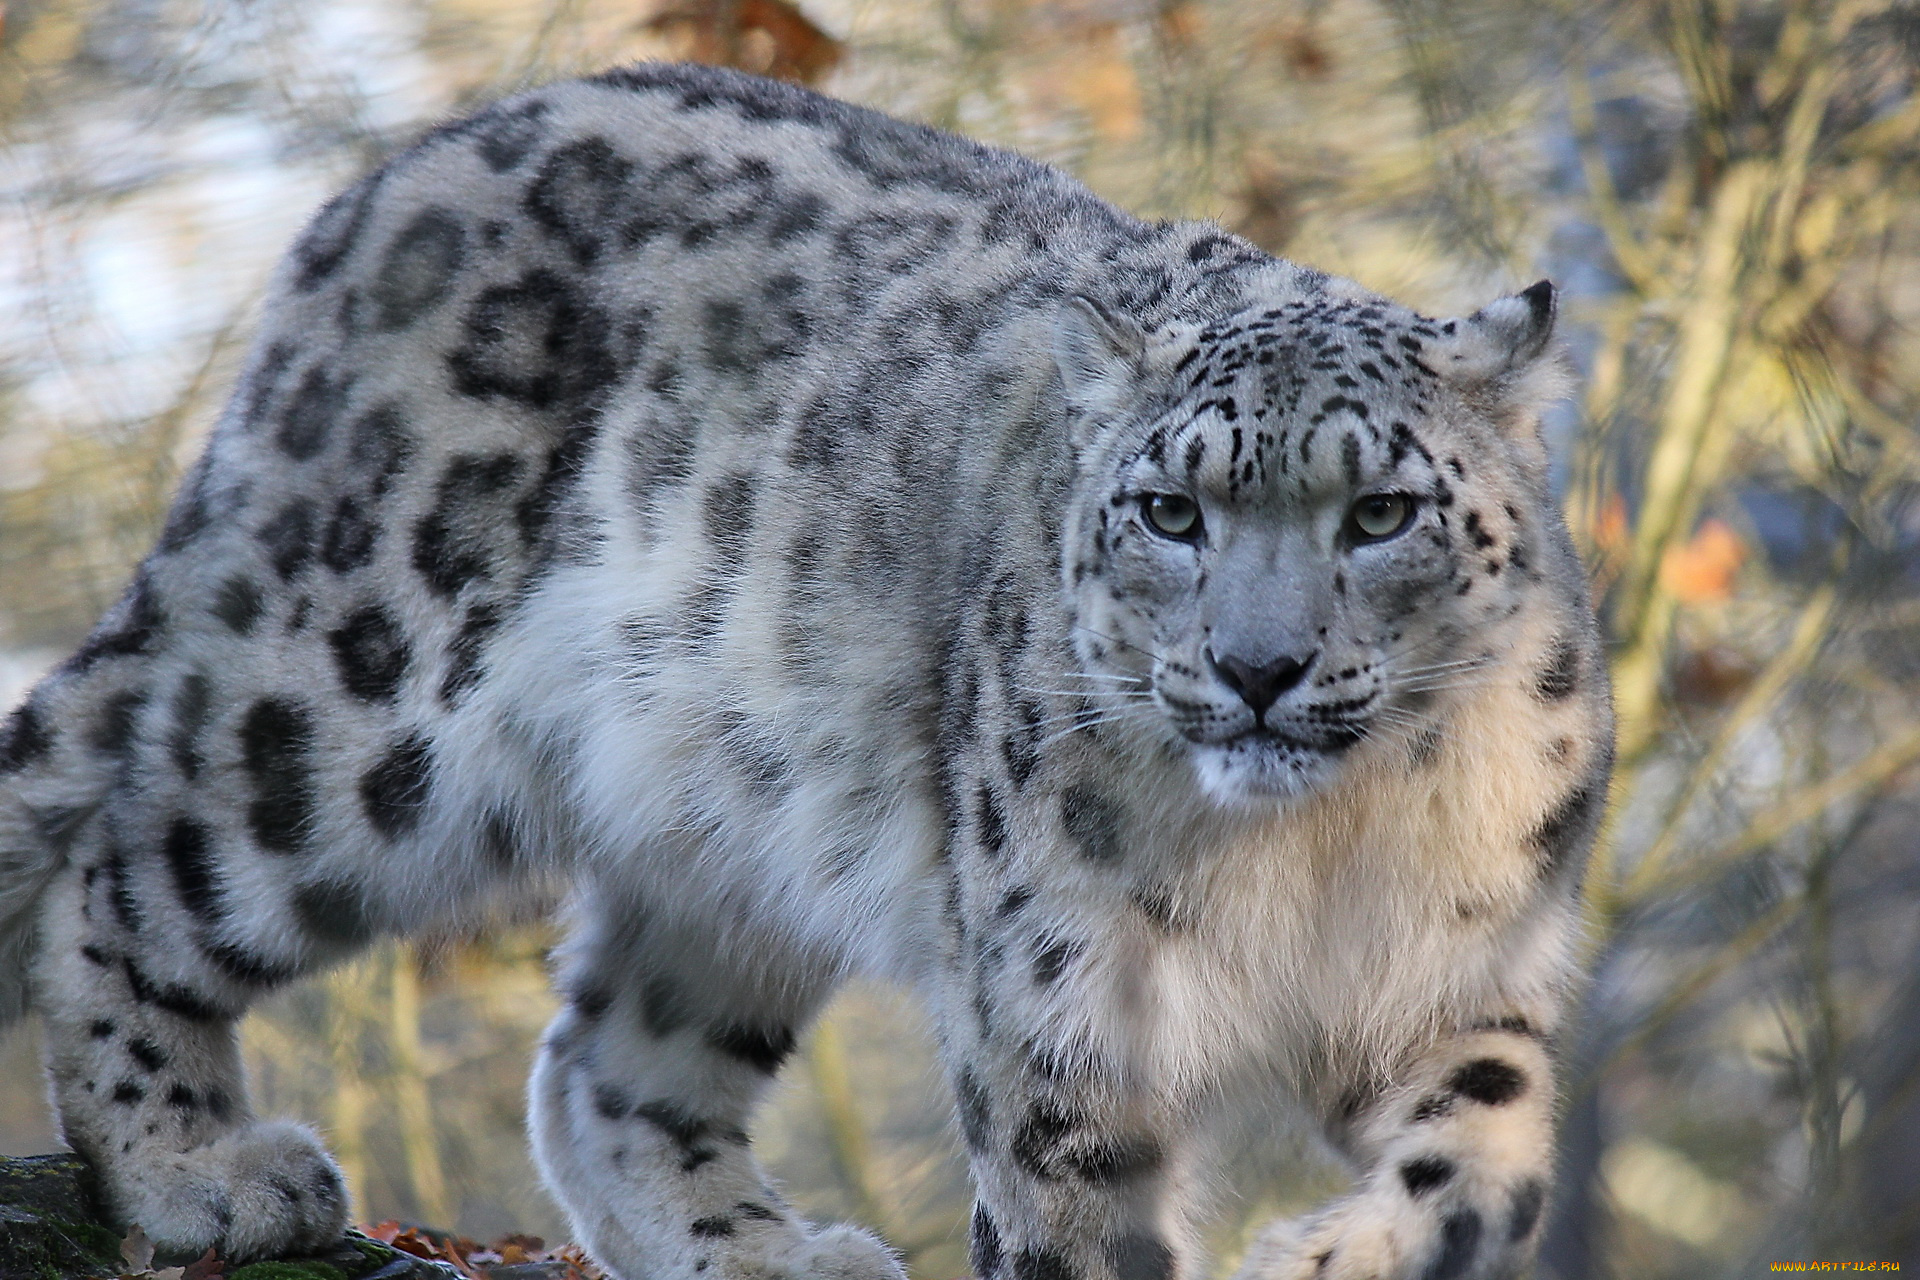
column 1728, row 192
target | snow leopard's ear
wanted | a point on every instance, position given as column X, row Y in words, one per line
column 1502, row 337
column 1101, row 355
column 1521, row 323
column 1503, row 356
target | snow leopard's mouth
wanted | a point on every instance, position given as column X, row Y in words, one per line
column 1310, row 730
column 1289, row 741
column 1273, row 762
column 1331, row 737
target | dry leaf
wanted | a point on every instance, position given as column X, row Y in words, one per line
column 472, row 1259
column 459, row 1251
column 410, row 1240
column 767, row 37
column 1702, row 571
column 1271, row 214
column 136, row 1250
column 1100, row 79
column 1305, row 52
column 205, row 1267
column 1712, row 675
column 531, row 1246
column 1611, row 528
column 1180, row 24
column 580, row 1262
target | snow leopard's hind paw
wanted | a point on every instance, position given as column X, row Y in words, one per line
column 1457, row 1157
column 1433, row 1225
column 841, row 1252
column 263, row 1190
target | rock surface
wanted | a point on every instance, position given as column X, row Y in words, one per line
column 51, row 1228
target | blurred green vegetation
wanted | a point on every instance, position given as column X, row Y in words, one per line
column 1728, row 192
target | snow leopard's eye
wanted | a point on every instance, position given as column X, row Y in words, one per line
column 1379, row 516
column 1171, row 515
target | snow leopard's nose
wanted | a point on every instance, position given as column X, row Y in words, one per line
column 1259, row 686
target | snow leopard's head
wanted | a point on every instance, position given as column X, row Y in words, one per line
column 1296, row 530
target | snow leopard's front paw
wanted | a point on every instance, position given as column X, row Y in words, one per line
column 841, row 1252
column 1431, row 1226
column 265, row 1189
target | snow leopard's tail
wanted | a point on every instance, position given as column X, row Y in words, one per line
column 26, row 864
column 60, row 751
column 28, row 857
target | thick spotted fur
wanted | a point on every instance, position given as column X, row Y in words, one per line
column 836, row 547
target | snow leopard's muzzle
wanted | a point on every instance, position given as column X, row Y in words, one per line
column 1272, row 695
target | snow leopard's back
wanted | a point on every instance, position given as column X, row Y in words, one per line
column 742, row 277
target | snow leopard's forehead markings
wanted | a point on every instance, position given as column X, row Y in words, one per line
column 1332, row 374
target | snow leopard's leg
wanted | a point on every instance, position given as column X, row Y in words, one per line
column 1077, row 1175
column 644, row 1088
column 1082, row 1159
column 1455, row 1156
column 148, row 955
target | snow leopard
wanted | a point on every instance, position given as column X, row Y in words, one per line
column 832, row 547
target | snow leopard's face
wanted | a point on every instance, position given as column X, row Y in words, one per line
column 1295, row 528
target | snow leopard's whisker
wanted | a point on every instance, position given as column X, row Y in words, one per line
column 1436, row 673
column 1433, row 645
column 1089, row 697
column 1093, row 722
column 1447, row 683
column 1463, row 673
column 1084, row 693
column 1081, row 716
column 1098, row 675
column 1125, row 644
column 1432, row 668
column 1412, row 721
column 1446, row 680
column 1407, row 732
column 1459, row 664
column 1071, row 729
column 1140, row 681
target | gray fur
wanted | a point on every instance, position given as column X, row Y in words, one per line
column 738, row 503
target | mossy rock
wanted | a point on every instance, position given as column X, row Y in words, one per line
column 357, row 1257
column 288, row 1271
column 52, row 1228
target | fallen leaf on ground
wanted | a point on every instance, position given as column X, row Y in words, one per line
column 472, row 1259
column 136, row 1250
column 205, row 1267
